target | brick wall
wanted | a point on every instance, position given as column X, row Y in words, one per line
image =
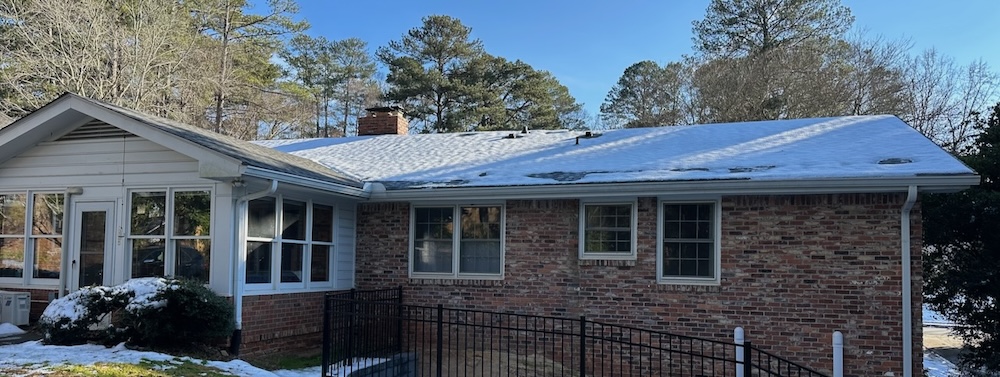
column 285, row 323
column 383, row 123
column 794, row 269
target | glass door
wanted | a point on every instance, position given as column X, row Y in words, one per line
column 93, row 243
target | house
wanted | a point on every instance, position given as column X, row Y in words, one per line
column 792, row 229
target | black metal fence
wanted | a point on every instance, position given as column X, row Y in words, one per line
column 363, row 328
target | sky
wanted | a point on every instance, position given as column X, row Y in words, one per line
column 587, row 44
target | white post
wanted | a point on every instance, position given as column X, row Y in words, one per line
column 738, row 339
column 838, row 354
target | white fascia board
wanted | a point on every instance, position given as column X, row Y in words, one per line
column 947, row 183
column 33, row 128
column 317, row 184
column 212, row 164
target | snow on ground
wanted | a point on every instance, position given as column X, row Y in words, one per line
column 937, row 366
column 31, row 355
column 7, row 329
column 36, row 355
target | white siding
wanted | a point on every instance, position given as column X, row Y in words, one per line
column 344, row 257
column 119, row 161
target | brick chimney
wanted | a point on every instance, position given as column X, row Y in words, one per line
column 387, row 120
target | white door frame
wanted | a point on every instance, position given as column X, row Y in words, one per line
column 84, row 212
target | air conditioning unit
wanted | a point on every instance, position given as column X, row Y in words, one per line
column 14, row 307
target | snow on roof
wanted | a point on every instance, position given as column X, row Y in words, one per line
column 820, row 148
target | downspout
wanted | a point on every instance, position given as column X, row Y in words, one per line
column 240, row 261
column 911, row 198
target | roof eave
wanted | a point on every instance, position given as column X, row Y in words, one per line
column 926, row 183
column 331, row 187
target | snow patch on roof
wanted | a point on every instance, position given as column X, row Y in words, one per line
column 821, row 148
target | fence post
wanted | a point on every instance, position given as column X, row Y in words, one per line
column 327, row 336
column 747, row 359
column 440, row 340
column 838, row 354
column 583, row 346
column 738, row 339
column 399, row 319
column 350, row 329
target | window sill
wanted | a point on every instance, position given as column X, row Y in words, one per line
column 607, row 262
column 678, row 286
column 483, row 282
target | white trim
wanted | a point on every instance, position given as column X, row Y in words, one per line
column 943, row 183
column 456, row 242
column 633, row 223
column 716, row 239
column 317, row 184
column 904, row 230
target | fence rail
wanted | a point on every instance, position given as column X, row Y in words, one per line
column 363, row 328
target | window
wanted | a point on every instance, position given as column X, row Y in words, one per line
column 170, row 233
column 689, row 242
column 607, row 230
column 289, row 242
column 457, row 242
column 31, row 235
column 46, row 235
column 12, row 220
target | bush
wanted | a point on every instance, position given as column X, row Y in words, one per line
column 192, row 314
column 147, row 311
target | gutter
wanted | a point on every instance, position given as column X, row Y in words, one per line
column 240, row 261
column 357, row 192
column 937, row 183
column 911, row 198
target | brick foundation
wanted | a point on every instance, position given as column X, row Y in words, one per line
column 794, row 270
column 285, row 323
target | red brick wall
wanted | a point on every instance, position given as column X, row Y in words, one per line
column 286, row 323
column 794, row 270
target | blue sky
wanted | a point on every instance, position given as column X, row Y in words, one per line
column 587, row 44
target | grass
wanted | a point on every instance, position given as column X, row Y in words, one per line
column 146, row 368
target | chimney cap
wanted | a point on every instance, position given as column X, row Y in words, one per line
column 385, row 109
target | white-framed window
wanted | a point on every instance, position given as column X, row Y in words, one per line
column 169, row 233
column 688, row 250
column 290, row 243
column 457, row 241
column 608, row 230
column 31, row 237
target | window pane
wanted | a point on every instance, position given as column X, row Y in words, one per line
column 258, row 262
column 192, row 213
column 293, row 220
column 434, row 223
column 480, row 257
column 481, row 223
column 260, row 218
column 147, row 258
column 320, row 269
column 291, row 263
column 12, row 257
column 322, row 223
column 688, row 244
column 48, row 258
column 47, row 215
column 192, row 259
column 148, row 211
column 608, row 229
column 12, row 214
column 432, row 256
column 432, row 246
